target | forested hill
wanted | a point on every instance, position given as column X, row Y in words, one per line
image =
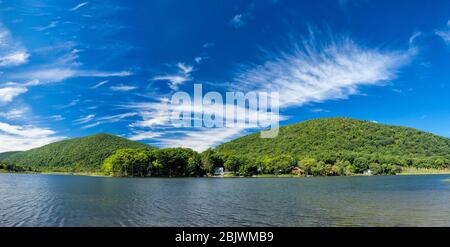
column 79, row 154
column 5, row 155
column 321, row 147
column 321, row 138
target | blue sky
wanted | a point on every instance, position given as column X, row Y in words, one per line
column 75, row 68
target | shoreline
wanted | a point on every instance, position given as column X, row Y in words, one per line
column 85, row 174
column 406, row 172
column 423, row 171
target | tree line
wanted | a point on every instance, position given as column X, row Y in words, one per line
column 183, row 162
column 15, row 168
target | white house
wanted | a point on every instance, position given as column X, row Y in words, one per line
column 219, row 171
column 367, row 172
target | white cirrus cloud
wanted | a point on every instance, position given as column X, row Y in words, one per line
column 14, row 113
column 182, row 75
column 123, row 88
column 79, row 6
column 200, row 139
column 7, row 94
column 14, row 59
column 238, row 20
column 20, row 138
column 72, row 103
column 56, row 118
column 85, row 119
column 200, row 59
column 92, row 125
column 51, row 25
column 208, row 45
column 11, row 51
column 95, row 73
column 312, row 72
column 144, row 135
column 60, row 73
column 307, row 72
column 444, row 33
column 108, row 119
column 99, row 84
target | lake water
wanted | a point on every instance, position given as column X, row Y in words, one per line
column 53, row 200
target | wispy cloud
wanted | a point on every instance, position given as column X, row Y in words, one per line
column 182, row 75
column 123, row 88
column 156, row 124
column 200, row 139
column 79, row 6
column 152, row 114
column 315, row 72
column 95, row 73
column 307, row 72
column 7, row 94
column 51, row 25
column 186, row 69
column 92, row 125
column 58, row 74
column 72, row 103
column 241, row 19
column 18, row 138
column 108, row 119
column 11, row 51
column 200, row 59
column 145, row 135
column 56, row 118
column 319, row 110
column 84, row 120
column 14, row 113
column 238, row 20
column 444, row 33
column 45, row 75
column 159, row 114
column 208, row 45
column 14, row 59
column 99, row 84
column 63, row 65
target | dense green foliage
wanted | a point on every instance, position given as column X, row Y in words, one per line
column 5, row 155
column 14, row 168
column 322, row 147
column 167, row 162
column 340, row 146
column 74, row 155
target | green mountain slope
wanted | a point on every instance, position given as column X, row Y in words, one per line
column 79, row 154
column 334, row 138
column 5, row 155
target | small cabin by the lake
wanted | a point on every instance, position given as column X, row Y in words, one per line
column 219, row 171
column 367, row 172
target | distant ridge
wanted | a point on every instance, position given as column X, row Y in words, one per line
column 78, row 154
column 326, row 139
column 342, row 135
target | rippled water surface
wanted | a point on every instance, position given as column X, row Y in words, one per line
column 52, row 200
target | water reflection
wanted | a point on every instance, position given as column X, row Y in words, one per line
column 52, row 200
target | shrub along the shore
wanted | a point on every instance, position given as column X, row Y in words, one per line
column 15, row 168
column 182, row 162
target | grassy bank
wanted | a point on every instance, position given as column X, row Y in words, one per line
column 21, row 172
column 405, row 171
column 278, row 176
column 423, row 171
column 89, row 174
